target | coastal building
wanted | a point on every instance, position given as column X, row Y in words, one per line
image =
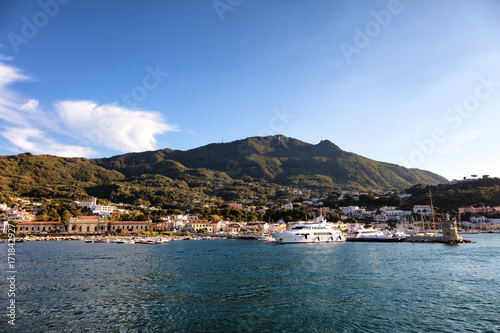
column 353, row 210
column 129, row 226
column 40, row 227
column 397, row 213
column 4, row 225
column 479, row 219
column 87, row 225
column 82, row 225
column 102, row 210
column 197, row 225
column 422, row 209
column 233, row 228
column 86, row 203
column 478, row 210
column 495, row 224
column 257, row 227
column 218, row 226
column 18, row 215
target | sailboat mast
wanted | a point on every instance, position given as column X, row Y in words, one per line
column 432, row 212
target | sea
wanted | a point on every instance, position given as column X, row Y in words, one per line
column 253, row 286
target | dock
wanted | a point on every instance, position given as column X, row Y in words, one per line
column 437, row 239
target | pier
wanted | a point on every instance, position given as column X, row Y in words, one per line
column 437, row 239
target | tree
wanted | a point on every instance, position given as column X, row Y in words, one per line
column 65, row 215
column 332, row 217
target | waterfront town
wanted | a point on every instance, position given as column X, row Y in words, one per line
column 94, row 218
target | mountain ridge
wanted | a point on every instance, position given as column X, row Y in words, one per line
column 275, row 158
column 251, row 167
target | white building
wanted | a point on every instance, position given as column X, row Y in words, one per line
column 102, row 210
column 18, row 216
column 422, row 209
column 397, row 212
column 4, row 225
column 86, row 203
column 479, row 219
column 353, row 210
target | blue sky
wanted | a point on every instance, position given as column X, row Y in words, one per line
column 415, row 83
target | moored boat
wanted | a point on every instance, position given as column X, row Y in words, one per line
column 266, row 238
column 372, row 235
column 317, row 231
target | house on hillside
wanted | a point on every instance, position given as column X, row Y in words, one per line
column 422, row 209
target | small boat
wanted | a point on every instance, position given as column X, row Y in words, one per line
column 266, row 238
column 101, row 240
column 400, row 234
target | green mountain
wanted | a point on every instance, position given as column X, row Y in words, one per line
column 274, row 159
column 258, row 166
column 51, row 176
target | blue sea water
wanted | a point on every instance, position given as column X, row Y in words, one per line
column 250, row 286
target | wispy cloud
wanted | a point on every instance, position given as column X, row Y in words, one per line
column 6, row 58
column 37, row 142
column 112, row 126
column 455, row 143
column 29, row 127
column 10, row 100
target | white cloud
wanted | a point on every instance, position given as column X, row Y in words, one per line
column 31, row 128
column 10, row 100
column 32, row 104
column 112, row 126
column 9, row 74
column 35, row 141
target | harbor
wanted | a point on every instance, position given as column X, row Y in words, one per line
column 252, row 286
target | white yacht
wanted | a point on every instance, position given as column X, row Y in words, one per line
column 371, row 235
column 317, row 231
